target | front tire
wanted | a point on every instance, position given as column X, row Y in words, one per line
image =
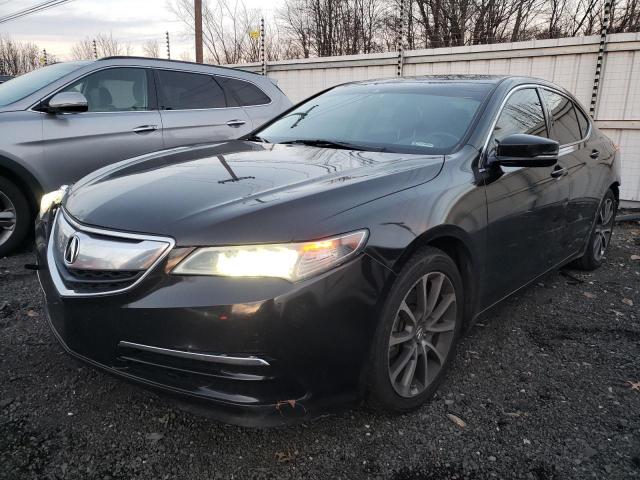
column 600, row 236
column 416, row 339
column 15, row 217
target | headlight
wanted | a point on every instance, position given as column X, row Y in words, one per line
column 52, row 199
column 291, row 261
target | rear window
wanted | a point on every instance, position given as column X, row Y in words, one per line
column 418, row 117
column 244, row 93
column 189, row 91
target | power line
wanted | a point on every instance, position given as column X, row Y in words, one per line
column 35, row 9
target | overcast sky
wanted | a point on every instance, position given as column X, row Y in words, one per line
column 133, row 21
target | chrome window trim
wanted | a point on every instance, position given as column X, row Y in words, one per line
column 53, row 268
column 564, row 150
column 250, row 361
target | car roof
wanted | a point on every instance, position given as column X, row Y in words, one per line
column 438, row 79
column 509, row 81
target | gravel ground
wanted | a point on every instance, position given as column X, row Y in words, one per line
column 542, row 388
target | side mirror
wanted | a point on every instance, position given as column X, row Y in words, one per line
column 68, row 102
column 521, row 150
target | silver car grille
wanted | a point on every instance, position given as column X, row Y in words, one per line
column 88, row 261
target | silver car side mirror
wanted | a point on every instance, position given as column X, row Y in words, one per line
column 68, row 102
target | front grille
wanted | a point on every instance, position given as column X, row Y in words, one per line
column 103, row 275
column 102, row 261
column 96, row 281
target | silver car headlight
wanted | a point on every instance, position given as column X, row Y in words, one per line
column 291, row 261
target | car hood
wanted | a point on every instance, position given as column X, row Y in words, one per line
column 241, row 191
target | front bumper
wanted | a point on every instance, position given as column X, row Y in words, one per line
column 257, row 351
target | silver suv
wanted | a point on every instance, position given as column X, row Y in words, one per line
column 63, row 121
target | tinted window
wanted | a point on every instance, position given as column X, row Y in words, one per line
column 188, row 91
column 583, row 121
column 564, row 126
column 24, row 85
column 398, row 117
column 521, row 114
column 245, row 93
column 114, row 90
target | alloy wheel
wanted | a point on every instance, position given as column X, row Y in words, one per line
column 603, row 227
column 7, row 218
column 422, row 334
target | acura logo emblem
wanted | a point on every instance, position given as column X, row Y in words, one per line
column 72, row 250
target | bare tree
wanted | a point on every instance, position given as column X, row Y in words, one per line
column 225, row 28
column 151, row 48
column 106, row 46
column 17, row 58
column 306, row 28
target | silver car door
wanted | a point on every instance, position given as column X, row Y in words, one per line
column 122, row 121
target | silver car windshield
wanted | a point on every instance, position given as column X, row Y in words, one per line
column 24, row 85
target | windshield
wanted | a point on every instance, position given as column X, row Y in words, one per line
column 418, row 117
column 24, row 85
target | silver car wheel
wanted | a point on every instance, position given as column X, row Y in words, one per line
column 7, row 218
column 603, row 228
column 422, row 334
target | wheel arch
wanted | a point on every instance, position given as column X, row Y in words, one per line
column 23, row 179
column 456, row 243
column 615, row 188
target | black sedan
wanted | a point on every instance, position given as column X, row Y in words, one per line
column 337, row 253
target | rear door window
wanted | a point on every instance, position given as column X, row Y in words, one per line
column 188, row 91
column 565, row 128
column 246, row 94
column 522, row 113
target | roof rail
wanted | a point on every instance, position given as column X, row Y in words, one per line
column 135, row 57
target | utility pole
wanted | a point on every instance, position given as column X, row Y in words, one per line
column 95, row 49
column 168, row 48
column 198, row 17
column 44, row 57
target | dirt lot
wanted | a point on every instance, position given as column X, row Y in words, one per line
column 544, row 385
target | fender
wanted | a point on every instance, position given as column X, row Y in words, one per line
column 23, row 178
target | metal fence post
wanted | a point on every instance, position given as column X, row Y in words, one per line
column 606, row 21
column 401, row 40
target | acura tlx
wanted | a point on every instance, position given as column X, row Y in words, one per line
column 335, row 254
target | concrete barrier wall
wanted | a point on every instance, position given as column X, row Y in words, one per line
column 570, row 62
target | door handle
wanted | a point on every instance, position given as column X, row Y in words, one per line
column 594, row 153
column 145, row 128
column 235, row 123
column 559, row 172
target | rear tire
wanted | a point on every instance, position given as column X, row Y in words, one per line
column 15, row 217
column 420, row 326
column 600, row 236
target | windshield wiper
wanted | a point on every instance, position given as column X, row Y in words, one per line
column 317, row 142
column 257, row 138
